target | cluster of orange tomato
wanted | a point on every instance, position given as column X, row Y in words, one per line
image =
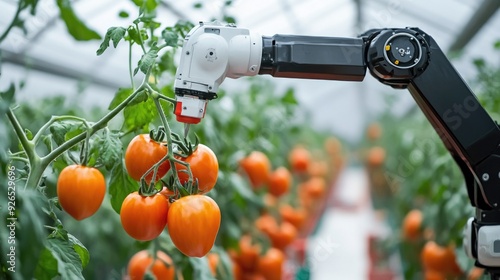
column 292, row 201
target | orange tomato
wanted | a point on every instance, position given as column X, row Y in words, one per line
column 162, row 268
column 475, row 273
column 271, row 264
column 281, row 235
column 144, row 217
column 412, row 224
column 280, row 181
column 434, row 275
column 193, row 224
column 141, row 154
column 204, row 168
column 248, row 254
column 315, row 187
column 299, row 159
column 284, row 236
column 296, row 217
column 440, row 259
column 80, row 190
column 258, row 168
column 213, row 262
column 376, row 156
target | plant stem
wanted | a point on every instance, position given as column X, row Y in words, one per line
column 141, row 43
column 130, row 71
column 27, row 145
column 20, row 7
column 93, row 129
column 163, row 97
column 170, row 152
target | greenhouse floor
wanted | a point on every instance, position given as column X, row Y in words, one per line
column 339, row 249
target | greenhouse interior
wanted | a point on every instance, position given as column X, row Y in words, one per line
column 250, row 140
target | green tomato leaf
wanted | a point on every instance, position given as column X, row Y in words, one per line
column 114, row 34
column 80, row 249
column 110, row 149
column 149, row 5
column 289, row 97
column 123, row 14
column 47, row 266
column 170, row 36
column 139, row 115
column 120, row 185
column 120, row 96
column 147, row 60
column 65, row 130
column 61, row 257
column 75, row 26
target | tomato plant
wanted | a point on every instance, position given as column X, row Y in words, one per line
column 204, row 168
column 142, row 263
column 144, row 217
column 80, row 190
column 193, row 223
column 141, row 154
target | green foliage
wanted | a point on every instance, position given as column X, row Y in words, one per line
column 120, row 185
column 75, row 26
column 115, row 34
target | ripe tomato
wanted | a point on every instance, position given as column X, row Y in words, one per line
column 315, row 187
column 162, row 268
column 193, row 224
column 204, row 167
column 258, row 168
column 271, row 264
column 299, row 159
column 412, row 224
column 144, row 217
column 281, row 235
column 248, row 255
column 440, row 259
column 213, row 262
column 141, row 154
column 80, row 190
column 280, row 181
column 376, row 156
column 296, row 217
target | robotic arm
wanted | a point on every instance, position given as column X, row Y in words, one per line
column 401, row 58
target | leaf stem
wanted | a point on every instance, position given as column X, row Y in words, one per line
column 25, row 160
column 130, row 71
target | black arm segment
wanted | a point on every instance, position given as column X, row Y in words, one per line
column 309, row 57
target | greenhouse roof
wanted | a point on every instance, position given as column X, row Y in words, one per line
column 58, row 64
